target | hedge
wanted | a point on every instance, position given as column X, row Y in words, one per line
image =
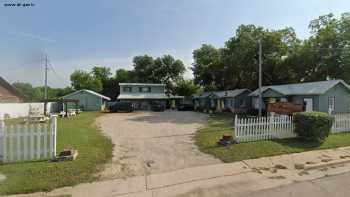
column 312, row 126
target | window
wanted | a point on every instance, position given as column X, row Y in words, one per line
column 331, row 103
column 127, row 89
column 145, row 89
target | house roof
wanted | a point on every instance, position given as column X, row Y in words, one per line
column 229, row 93
column 147, row 96
column 10, row 87
column 89, row 92
column 202, row 95
column 141, row 84
column 221, row 94
column 309, row 88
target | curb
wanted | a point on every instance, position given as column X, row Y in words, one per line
column 325, row 164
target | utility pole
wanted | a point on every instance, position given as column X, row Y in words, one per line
column 260, row 78
column 46, row 68
column 45, row 96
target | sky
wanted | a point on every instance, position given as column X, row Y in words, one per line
column 81, row 34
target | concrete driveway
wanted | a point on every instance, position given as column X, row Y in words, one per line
column 153, row 142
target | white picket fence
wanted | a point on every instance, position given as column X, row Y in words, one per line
column 278, row 127
column 263, row 128
column 341, row 123
column 28, row 142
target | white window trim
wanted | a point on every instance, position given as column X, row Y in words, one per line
column 331, row 103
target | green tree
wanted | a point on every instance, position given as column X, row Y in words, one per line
column 125, row 76
column 206, row 60
column 144, row 69
column 109, row 84
column 165, row 69
column 84, row 80
column 186, row 88
column 236, row 64
column 102, row 73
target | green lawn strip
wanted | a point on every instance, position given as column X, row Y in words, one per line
column 206, row 140
column 75, row 132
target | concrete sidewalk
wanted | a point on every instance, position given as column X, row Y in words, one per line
column 237, row 178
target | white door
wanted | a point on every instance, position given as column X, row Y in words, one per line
column 308, row 103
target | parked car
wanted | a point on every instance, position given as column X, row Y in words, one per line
column 157, row 106
column 121, row 107
column 185, row 107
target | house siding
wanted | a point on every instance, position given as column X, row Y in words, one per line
column 135, row 89
column 87, row 102
column 145, row 100
column 299, row 99
column 211, row 101
column 243, row 97
column 342, row 99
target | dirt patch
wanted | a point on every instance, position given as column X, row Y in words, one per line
column 153, row 142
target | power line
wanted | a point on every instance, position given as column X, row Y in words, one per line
column 55, row 72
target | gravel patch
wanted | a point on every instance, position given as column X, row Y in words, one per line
column 153, row 142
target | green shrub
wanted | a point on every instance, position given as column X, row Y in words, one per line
column 312, row 126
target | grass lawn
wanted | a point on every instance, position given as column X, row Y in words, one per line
column 220, row 124
column 76, row 132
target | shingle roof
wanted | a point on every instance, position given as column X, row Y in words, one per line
column 90, row 92
column 229, row 93
column 309, row 88
column 221, row 94
column 202, row 95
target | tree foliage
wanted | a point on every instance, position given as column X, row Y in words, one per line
column 85, row 80
column 186, row 88
column 165, row 69
column 37, row 93
column 325, row 54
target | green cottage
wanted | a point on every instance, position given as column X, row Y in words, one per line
column 88, row 100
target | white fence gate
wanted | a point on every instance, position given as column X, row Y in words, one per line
column 264, row 128
column 23, row 142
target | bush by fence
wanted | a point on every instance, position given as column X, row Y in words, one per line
column 312, row 126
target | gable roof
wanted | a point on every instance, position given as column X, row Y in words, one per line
column 202, row 95
column 221, row 94
column 10, row 87
column 229, row 93
column 89, row 92
column 309, row 88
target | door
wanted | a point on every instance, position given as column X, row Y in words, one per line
column 308, row 104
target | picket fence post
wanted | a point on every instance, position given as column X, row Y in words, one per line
column 54, row 117
column 28, row 142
